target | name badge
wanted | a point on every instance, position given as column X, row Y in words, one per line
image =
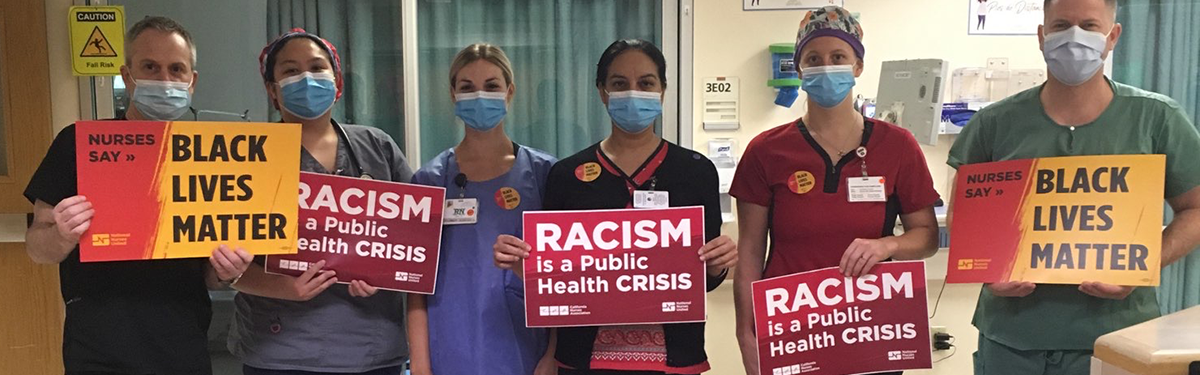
column 866, row 189
column 651, row 199
column 460, row 211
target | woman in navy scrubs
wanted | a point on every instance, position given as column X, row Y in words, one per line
column 475, row 322
column 631, row 80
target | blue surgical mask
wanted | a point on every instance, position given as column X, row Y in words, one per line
column 634, row 111
column 308, row 95
column 828, row 85
column 481, row 110
column 161, row 100
column 1073, row 56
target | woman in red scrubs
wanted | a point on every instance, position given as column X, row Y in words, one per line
column 827, row 188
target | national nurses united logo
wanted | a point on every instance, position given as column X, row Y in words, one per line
column 508, row 198
column 101, row 240
column 901, row 355
column 108, row 239
column 977, row 264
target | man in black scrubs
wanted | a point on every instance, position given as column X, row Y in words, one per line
column 132, row 317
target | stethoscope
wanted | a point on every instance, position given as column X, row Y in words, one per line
column 350, row 150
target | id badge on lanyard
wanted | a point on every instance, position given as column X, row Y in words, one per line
column 462, row 210
column 651, row 198
column 865, row 188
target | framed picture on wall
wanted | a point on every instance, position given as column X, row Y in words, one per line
column 1003, row 17
column 788, row 4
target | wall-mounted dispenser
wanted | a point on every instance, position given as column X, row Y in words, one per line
column 784, row 77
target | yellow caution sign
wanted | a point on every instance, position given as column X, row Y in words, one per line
column 97, row 45
column 97, row 39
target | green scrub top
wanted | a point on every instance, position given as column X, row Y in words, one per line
column 1060, row 317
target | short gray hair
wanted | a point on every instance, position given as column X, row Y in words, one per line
column 1111, row 4
column 159, row 23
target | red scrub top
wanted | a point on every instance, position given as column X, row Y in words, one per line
column 811, row 221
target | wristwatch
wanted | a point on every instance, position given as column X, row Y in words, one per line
column 230, row 283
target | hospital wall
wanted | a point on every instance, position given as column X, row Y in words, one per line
column 732, row 42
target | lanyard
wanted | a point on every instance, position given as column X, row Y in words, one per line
column 646, row 173
column 861, row 152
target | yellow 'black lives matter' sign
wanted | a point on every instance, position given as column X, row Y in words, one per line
column 180, row 189
column 1063, row 220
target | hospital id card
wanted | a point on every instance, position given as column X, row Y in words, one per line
column 866, row 189
column 461, row 211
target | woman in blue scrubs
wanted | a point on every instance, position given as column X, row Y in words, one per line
column 474, row 323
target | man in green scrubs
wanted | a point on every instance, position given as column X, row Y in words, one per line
column 1025, row 328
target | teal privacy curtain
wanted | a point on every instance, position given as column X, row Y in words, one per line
column 1160, row 51
column 554, row 46
column 367, row 36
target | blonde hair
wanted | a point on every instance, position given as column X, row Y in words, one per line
column 481, row 51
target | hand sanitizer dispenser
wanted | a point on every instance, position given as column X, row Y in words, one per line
column 721, row 152
column 785, row 78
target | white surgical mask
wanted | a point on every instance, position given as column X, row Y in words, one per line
column 1074, row 55
column 161, row 100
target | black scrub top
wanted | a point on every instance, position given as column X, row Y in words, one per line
column 690, row 180
column 137, row 317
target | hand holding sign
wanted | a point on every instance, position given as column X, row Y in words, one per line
column 719, row 255
column 508, row 252
column 862, row 255
column 1102, row 290
column 312, row 282
column 1012, row 288
column 73, row 217
column 359, row 288
column 229, row 264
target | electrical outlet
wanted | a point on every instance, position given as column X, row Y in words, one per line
column 940, row 338
column 933, row 330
